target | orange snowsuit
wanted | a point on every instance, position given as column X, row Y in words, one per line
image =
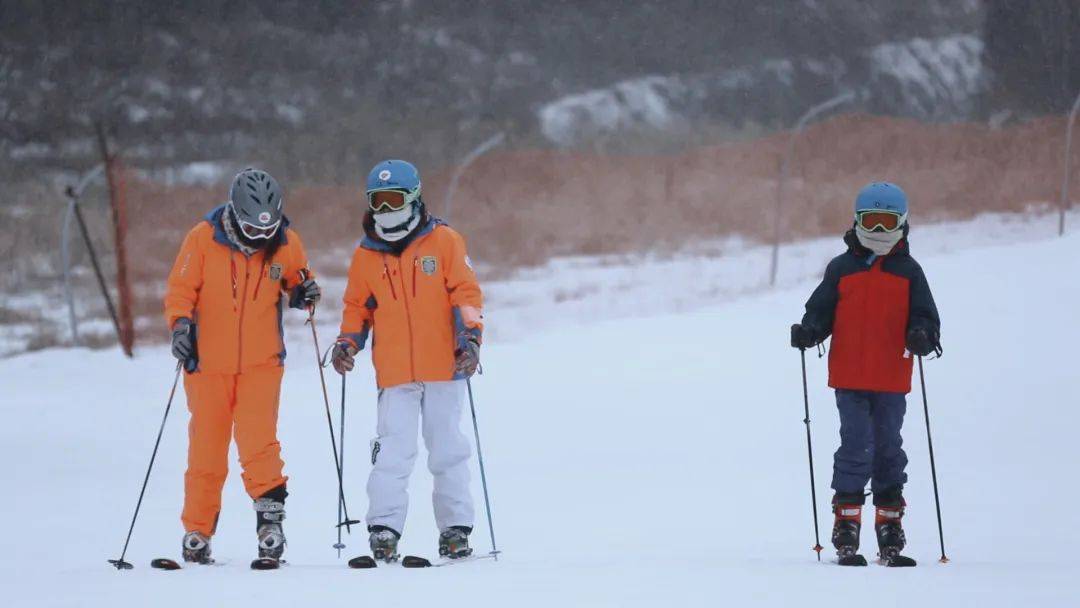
column 236, row 302
column 419, row 303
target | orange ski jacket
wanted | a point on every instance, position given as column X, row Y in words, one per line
column 235, row 300
column 420, row 303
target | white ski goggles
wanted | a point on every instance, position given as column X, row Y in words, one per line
column 252, row 231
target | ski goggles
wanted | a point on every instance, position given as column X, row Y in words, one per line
column 252, row 231
column 870, row 221
column 390, row 200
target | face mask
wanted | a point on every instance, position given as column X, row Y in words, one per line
column 395, row 225
column 881, row 243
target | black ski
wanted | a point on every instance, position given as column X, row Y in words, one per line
column 266, row 563
column 899, row 561
column 362, row 562
column 852, row 560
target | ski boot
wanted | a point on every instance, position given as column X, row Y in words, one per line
column 846, row 528
column 454, row 542
column 383, row 542
column 890, row 533
column 196, row 548
column 269, row 513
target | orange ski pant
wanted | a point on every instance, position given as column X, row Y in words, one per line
column 244, row 406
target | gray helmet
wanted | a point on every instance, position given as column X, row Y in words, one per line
column 257, row 202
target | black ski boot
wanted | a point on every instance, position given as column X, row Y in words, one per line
column 196, row 548
column 846, row 528
column 890, row 532
column 383, row 542
column 269, row 513
column 454, row 542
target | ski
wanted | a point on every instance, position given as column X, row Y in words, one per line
column 362, row 562
column 165, row 563
column 898, row 561
column 852, row 560
column 266, row 563
column 415, row 561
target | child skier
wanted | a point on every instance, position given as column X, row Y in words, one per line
column 875, row 302
column 229, row 280
column 411, row 282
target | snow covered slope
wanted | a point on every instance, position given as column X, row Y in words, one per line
column 658, row 459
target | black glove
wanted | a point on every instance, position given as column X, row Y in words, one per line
column 305, row 295
column 803, row 337
column 467, row 355
column 922, row 342
column 183, row 340
column 342, row 356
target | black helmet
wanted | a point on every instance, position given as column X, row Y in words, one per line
column 257, row 202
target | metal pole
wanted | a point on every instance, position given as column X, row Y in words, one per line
column 73, row 193
column 471, row 157
column 933, row 465
column 483, row 475
column 1068, row 157
column 119, row 562
column 810, row 453
column 778, row 220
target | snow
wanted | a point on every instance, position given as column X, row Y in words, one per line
column 651, row 459
column 935, row 76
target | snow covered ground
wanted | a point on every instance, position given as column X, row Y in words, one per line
column 653, row 455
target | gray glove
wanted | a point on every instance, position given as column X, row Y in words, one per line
column 467, row 356
column 342, row 357
column 183, row 343
column 305, row 294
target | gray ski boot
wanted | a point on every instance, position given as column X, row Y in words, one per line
column 196, row 548
column 384, row 542
column 269, row 513
column 454, row 542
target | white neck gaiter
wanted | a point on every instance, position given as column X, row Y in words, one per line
column 395, row 225
column 881, row 243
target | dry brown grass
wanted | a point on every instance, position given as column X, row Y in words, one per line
column 521, row 207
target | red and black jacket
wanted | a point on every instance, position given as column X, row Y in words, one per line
column 868, row 304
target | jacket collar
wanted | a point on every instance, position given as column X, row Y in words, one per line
column 372, row 241
column 216, row 218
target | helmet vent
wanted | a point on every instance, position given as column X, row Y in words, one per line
column 256, row 199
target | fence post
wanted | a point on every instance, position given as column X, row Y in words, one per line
column 114, row 174
column 1065, row 203
column 785, row 163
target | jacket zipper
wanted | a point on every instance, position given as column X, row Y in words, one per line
column 415, row 261
column 258, row 282
column 390, row 279
column 240, row 325
column 408, row 318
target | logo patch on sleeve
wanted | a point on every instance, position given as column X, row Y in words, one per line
column 429, row 264
column 276, row 271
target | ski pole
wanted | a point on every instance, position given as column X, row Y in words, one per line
column 120, row 563
column 341, row 503
column 933, row 466
column 810, row 454
column 330, row 423
column 483, row 477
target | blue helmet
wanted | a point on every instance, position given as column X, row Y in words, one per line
column 882, row 196
column 396, row 175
